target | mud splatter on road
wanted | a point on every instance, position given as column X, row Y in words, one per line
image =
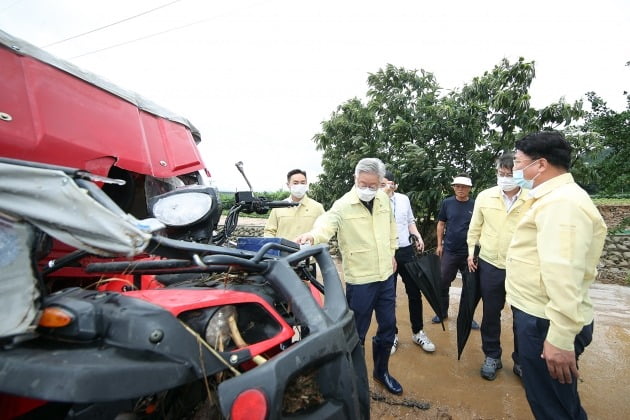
column 455, row 390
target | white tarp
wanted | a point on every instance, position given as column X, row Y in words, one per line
column 18, row 285
column 52, row 201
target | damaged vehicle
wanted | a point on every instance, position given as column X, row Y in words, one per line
column 118, row 296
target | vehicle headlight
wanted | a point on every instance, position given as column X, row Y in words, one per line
column 182, row 209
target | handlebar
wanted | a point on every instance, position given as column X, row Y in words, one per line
column 247, row 203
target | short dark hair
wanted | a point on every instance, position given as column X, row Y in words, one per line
column 390, row 176
column 550, row 145
column 506, row 160
column 293, row 172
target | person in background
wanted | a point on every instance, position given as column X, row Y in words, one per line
column 366, row 232
column 551, row 263
column 288, row 222
column 495, row 216
column 452, row 228
column 406, row 225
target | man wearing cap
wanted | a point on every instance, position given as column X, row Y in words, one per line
column 452, row 228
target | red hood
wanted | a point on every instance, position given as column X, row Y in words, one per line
column 55, row 113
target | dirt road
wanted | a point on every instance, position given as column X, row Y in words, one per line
column 455, row 390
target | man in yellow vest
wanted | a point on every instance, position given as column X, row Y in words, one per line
column 551, row 262
column 495, row 216
column 289, row 222
column 367, row 235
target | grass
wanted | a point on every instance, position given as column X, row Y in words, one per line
column 612, row 201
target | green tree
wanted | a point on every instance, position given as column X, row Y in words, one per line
column 606, row 164
column 426, row 136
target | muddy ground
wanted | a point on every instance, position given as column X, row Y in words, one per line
column 454, row 389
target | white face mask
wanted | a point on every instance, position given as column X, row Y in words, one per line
column 298, row 190
column 366, row 194
column 506, row 183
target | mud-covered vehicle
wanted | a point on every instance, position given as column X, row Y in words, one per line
column 116, row 298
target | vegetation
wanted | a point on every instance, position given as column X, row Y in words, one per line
column 426, row 135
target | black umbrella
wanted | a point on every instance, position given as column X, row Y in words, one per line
column 471, row 295
column 425, row 270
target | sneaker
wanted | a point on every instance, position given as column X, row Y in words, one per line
column 474, row 325
column 518, row 370
column 490, row 367
column 395, row 345
column 421, row 339
column 436, row 319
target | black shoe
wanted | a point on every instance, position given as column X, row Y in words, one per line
column 518, row 370
column 474, row 325
column 436, row 319
column 490, row 367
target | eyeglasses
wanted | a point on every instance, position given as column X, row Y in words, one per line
column 504, row 174
column 370, row 187
column 518, row 162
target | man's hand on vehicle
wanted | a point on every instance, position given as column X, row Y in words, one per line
column 304, row 238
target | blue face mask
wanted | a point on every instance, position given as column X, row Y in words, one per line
column 519, row 177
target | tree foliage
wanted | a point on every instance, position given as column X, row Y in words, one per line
column 606, row 165
column 426, row 136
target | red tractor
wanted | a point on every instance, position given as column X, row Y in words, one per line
column 117, row 296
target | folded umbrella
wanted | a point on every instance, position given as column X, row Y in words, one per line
column 471, row 295
column 425, row 270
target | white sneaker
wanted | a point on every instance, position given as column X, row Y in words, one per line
column 423, row 341
column 395, row 345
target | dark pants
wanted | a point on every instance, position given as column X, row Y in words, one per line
column 492, row 282
column 449, row 264
column 405, row 255
column 378, row 297
column 548, row 398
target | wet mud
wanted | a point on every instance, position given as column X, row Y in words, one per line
column 455, row 390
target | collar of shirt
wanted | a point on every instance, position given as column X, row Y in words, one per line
column 509, row 202
column 551, row 184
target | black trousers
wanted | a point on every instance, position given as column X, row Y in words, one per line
column 403, row 256
column 548, row 398
column 449, row 265
column 492, row 282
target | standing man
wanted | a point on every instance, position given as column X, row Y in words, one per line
column 551, row 262
column 452, row 228
column 288, row 222
column 366, row 231
column 406, row 227
column 495, row 216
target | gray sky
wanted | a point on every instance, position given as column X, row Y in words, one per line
column 258, row 77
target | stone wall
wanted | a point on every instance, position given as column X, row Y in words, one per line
column 616, row 255
column 614, row 264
